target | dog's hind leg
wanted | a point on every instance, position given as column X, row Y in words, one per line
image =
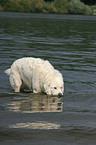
column 17, row 89
column 15, row 80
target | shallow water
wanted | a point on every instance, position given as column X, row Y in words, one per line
column 69, row 43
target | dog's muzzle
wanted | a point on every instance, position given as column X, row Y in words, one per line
column 60, row 95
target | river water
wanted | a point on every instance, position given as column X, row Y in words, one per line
column 69, row 43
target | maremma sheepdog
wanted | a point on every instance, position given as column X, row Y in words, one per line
column 37, row 75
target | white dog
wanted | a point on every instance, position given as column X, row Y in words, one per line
column 37, row 75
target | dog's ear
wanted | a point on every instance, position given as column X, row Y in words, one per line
column 47, row 89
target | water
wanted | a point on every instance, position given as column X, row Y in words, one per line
column 69, row 43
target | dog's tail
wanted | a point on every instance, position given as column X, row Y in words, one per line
column 7, row 71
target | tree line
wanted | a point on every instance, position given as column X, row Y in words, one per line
column 45, row 6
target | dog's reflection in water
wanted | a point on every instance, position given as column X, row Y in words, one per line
column 36, row 125
column 36, row 103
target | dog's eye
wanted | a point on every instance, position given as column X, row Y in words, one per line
column 55, row 88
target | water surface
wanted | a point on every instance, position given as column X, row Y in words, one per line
column 69, row 43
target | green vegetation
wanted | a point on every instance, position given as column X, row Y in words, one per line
column 78, row 7
column 94, row 10
column 60, row 6
column 24, row 5
column 40, row 6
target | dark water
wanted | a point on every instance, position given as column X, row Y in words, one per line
column 69, row 43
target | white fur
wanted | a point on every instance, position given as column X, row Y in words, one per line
column 37, row 75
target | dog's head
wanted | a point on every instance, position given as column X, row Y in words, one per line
column 55, row 87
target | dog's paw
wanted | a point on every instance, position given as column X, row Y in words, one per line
column 34, row 91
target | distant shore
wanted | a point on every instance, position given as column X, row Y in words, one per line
column 40, row 6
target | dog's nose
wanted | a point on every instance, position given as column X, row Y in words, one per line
column 60, row 94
